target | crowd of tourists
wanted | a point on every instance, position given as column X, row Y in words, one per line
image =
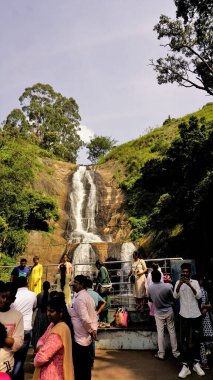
column 195, row 317
column 62, row 329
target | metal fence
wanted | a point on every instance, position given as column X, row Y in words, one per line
column 122, row 293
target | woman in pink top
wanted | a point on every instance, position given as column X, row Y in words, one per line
column 53, row 360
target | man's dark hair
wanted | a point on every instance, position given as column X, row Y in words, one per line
column 81, row 279
column 8, row 287
column 156, row 275
column 23, row 260
column 46, row 285
column 21, row 282
column 154, row 266
column 186, row 266
column 99, row 262
column 89, row 283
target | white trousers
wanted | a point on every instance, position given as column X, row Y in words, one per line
column 167, row 320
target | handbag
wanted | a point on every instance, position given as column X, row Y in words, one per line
column 121, row 317
column 105, row 289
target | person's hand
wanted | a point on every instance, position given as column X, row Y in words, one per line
column 94, row 334
column 38, row 348
column 3, row 335
column 187, row 281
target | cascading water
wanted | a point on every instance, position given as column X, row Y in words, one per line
column 127, row 250
column 83, row 200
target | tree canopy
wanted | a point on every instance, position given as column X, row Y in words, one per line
column 173, row 194
column 21, row 208
column 48, row 119
column 99, row 146
column 189, row 39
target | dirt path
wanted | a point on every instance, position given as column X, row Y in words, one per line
column 130, row 365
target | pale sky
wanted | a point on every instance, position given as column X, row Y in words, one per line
column 96, row 51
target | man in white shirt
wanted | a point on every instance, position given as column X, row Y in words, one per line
column 189, row 292
column 25, row 303
column 84, row 320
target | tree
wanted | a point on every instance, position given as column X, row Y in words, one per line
column 190, row 41
column 48, row 119
column 99, row 146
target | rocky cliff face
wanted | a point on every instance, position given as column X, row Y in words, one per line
column 111, row 220
column 55, row 182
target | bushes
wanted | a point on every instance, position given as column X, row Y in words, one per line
column 21, row 208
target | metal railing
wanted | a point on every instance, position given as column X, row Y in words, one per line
column 122, row 293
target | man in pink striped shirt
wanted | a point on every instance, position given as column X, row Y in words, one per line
column 84, row 320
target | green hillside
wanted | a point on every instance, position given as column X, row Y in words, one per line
column 22, row 207
column 167, row 178
column 130, row 157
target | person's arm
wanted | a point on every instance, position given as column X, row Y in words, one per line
column 130, row 273
column 40, row 272
column 178, row 285
column 13, row 275
column 16, row 340
column 81, row 310
column 52, row 345
column 195, row 288
column 42, row 339
column 35, row 303
column 144, row 268
column 101, row 308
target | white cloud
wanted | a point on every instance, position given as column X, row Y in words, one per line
column 85, row 133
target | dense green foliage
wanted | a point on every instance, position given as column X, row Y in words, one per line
column 47, row 119
column 21, row 207
column 173, row 195
column 189, row 39
column 130, row 157
column 99, row 146
column 167, row 178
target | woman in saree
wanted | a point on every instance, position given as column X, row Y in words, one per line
column 36, row 276
column 139, row 290
column 53, row 361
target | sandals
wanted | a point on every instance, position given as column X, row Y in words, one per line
column 103, row 325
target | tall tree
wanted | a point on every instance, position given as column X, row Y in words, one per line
column 99, row 146
column 49, row 119
column 189, row 40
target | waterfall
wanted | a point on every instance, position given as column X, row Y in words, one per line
column 83, row 202
column 127, row 250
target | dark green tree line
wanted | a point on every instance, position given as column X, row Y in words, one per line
column 175, row 193
column 21, row 208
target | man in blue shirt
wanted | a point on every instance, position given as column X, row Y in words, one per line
column 20, row 271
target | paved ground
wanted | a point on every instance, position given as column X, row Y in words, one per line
column 130, row 365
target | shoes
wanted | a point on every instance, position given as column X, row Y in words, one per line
column 197, row 368
column 184, row 372
column 158, row 356
column 176, row 354
column 205, row 366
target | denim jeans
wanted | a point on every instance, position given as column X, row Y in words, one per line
column 20, row 357
column 191, row 333
column 92, row 352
